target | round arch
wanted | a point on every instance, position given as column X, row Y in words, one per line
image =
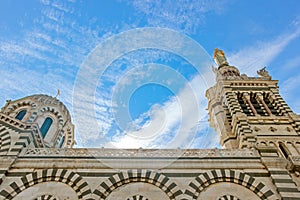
column 204, row 180
column 228, row 197
column 137, row 197
column 16, row 105
column 69, row 136
column 46, row 197
column 70, row 178
column 55, row 112
column 145, row 176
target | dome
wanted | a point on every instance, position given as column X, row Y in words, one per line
column 50, row 114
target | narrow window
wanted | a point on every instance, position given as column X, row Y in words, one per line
column 45, row 127
column 61, row 141
column 243, row 105
column 21, row 115
column 283, row 150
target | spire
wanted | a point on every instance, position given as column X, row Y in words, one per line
column 225, row 70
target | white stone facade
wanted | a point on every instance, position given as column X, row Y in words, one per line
column 260, row 159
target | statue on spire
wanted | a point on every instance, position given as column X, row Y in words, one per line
column 220, row 58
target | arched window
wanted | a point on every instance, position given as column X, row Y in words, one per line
column 61, row 141
column 45, row 127
column 228, row 196
column 137, row 197
column 21, row 115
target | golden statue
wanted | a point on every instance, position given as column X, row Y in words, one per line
column 219, row 57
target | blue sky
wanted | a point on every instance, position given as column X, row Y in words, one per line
column 143, row 97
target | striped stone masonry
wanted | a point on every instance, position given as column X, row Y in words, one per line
column 70, row 178
column 137, row 197
column 145, row 176
column 228, row 197
column 285, row 184
column 5, row 140
column 46, row 197
column 233, row 176
column 15, row 135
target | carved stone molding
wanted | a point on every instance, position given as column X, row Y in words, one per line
column 138, row 153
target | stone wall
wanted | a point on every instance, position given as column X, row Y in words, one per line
column 131, row 173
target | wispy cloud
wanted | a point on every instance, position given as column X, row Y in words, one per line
column 176, row 123
column 166, row 124
column 261, row 54
column 48, row 55
column 182, row 15
column 250, row 59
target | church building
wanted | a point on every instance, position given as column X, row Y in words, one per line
column 260, row 158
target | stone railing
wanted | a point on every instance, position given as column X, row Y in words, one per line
column 138, row 153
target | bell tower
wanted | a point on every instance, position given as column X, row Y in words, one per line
column 248, row 112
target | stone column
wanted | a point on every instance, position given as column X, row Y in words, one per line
column 260, row 99
column 246, row 97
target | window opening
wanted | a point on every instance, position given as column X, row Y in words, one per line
column 45, row 127
column 21, row 115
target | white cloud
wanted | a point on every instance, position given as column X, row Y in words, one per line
column 174, row 124
column 165, row 118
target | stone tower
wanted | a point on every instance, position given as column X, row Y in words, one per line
column 249, row 113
